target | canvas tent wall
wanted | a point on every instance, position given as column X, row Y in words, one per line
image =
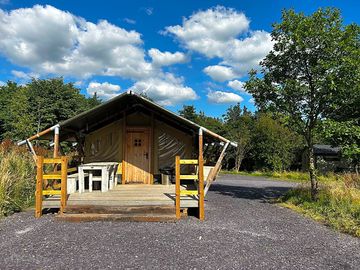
column 106, row 143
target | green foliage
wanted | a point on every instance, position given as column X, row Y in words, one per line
column 312, row 70
column 239, row 126
column 38, row 105
column 345, row 134
column 17, row 180
column 189, row 112
column 6, row 93
column 52, row 101
column 18, row 121
column 273, row 144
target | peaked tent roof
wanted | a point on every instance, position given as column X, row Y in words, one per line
column 115, row 107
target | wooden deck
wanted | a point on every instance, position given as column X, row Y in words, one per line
column 126, row 195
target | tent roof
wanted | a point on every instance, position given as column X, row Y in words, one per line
column 114, row 109
column 326, row 150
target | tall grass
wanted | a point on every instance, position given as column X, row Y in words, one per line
column 17, row 179
column 293, row 176
column 338, row 203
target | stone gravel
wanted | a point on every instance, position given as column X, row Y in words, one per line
column 242, row 230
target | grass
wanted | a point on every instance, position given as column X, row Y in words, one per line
column 338, row 203
column 292, row 176
column 17, row 179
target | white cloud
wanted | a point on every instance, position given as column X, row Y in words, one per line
column 252, row 101
column 224, row 33
column 79, row 83
column 23, row 75
column 49, row 40
column 2, row 83
column 166, row 90
column 166, row 58
column 148, row 10
column 103, row 90
column 220, row 97
column 237, row 85
column 129, row 21
column 220, row 73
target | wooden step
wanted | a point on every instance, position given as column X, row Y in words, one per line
column 105, row 209
column 117, row 217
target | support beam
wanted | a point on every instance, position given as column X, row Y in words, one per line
column 31, row 148
column 39, row 186
column 56, row 141
column 37, row 135
column 152, row 152
column 214, row 172
column 177, row 187
column 201, row 177
column 123, row 176
column 64, row 165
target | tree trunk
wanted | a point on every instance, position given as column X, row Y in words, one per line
column 312, row 173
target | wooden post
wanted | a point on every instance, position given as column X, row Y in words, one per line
column 177, row 186
column 201, row 177
column 56, row 142
column 123, row 176
column 64, row 165
column 212, row 175
column 151, row 155
column 39, row 186
column 29, row 145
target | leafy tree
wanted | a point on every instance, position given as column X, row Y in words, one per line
column 6, row 93
column 38, row 105
column 189, row 112
column 347, row 135
column 238, row 124
column 52, row 101
column 313, row 67
column 19, row 124
column 273, row 144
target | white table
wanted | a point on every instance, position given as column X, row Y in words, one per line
column 107, row 177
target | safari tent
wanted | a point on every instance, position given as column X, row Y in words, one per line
column 148, row 163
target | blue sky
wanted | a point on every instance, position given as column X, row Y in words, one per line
column 177, row 52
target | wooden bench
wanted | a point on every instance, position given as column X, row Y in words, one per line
column 71, row 182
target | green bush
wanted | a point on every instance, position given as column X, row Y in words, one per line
column 17, row 179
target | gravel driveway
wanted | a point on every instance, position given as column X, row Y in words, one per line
column 242, row 231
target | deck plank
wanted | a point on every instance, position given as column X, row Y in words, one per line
column 126, row 195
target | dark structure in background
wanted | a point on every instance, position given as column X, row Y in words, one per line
column 329, row 159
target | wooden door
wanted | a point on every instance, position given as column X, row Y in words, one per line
column 137, row 156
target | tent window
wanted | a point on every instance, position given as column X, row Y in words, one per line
column 137, row 142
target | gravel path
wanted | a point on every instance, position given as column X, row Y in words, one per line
column 242, row 231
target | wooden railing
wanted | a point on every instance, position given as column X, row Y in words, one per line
column 196, row 177
column 54, row 175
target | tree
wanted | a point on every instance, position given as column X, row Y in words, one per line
column 52, row 101
column 273, row 144
column 6, row 93
column 39, row 104
column 20, row 123
column 313, row 67
column 345, row 134
column 189, row 112
column 238, row 124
